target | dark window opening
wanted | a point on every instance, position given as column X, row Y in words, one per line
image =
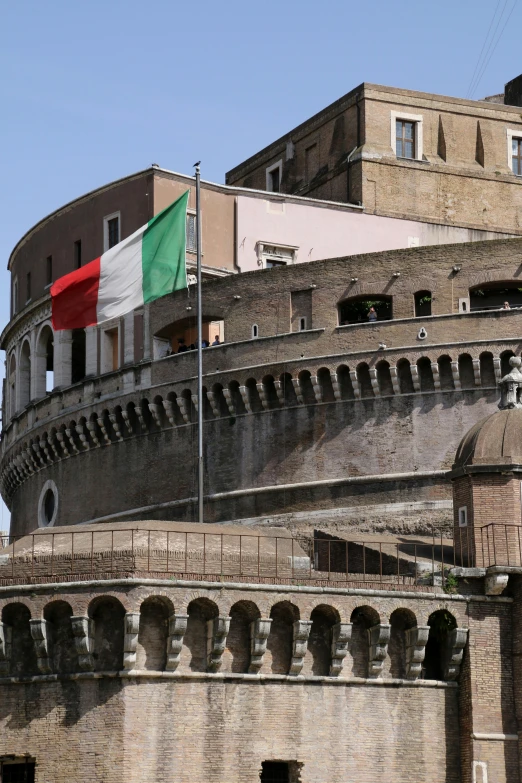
column 274, row 772
column 78, row 355
column 113, row 231
column 273, row 262
column 275, row 180
column 422, row 303
column 22, row 772
column 496, row 296
column 362, row 310
column 28, row 287
column 516, row 156
column 49, row 504
column 441, row 624
column 49, row 270
column 78, row 253
column 405, row 139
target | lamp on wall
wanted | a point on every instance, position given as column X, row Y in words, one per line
column 354, row 280
column 396, row 274
column 457, row 268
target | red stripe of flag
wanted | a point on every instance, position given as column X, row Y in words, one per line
column 75, row 298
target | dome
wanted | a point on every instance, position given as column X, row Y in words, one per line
column 495, row 440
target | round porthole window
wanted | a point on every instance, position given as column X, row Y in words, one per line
column 48, row 504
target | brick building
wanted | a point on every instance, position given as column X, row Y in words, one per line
column 402, row 153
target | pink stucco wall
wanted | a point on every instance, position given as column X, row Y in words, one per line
column 327, row 231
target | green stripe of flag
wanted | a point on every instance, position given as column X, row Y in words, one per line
column 163, row 251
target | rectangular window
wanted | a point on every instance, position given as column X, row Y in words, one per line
column 272, row 262
column 516, row 156
column 111, row 231
column 191, row 232
column 273, row 177
column 22, row 772
column 463, row 516
column 28, row 287
column 49, row 270
column 405, row 139
column 275, row 772
column 78, row 254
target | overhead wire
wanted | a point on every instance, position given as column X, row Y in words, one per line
column 495, row 46
column 477, row 65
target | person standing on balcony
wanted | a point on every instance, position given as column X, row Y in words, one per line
column 372, row 315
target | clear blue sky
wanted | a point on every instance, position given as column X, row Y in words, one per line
column 92, row 91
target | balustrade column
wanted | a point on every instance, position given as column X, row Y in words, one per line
column 62, row 358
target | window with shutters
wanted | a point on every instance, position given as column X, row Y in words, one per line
column 191, row 232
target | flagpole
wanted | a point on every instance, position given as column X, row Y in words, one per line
column 199, row 391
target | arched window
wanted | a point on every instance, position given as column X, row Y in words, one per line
column 44, row 380
column 195, row 641
column 12, row 385
column 25, row 374
column 364, row 309
column 280, row 640
column 422, row 303
column 441, row 623
column 255, row 331
column 108, row 616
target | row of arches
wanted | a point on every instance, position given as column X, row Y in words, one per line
column 202, row 640
column 30, row 366
column 304, row 387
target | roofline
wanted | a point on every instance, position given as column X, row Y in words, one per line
column 361, row 88
column 158, row 169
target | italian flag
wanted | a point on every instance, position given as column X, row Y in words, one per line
column 148, row 264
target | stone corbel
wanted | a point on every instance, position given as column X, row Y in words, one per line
column 80, row 429
column 259, row 633
column 280, row 392
column 456, row 375
column 184, row 406
column 115, row 426
column 415, row 377
column 211, row 397
column 70, row 438
column 355, row 384
column 298, row 391
column 103, row 428
column 395, row 380
column 83, row 631
column 218, row 629
column 378, row 638
column 130, row 641
column 228, row 399
column 416, row 639
column 436, row 375
column 38, row 452
column 336, row 386
column 497, row 369
column 262, row 395
column 300, row 645
column 6, row 635
column 374, row 382
column 455, row 650
column 316, row 386
column 91, row 426
column 476, row 371
column 177, row 630
column 169, row 410
column 341, row 638
column 245, row 397
column 41, row 635
column 141, row 418
column 155, row 410
column 195, row 402
column 496, row 583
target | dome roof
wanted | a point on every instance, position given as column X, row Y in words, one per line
column 495, row 440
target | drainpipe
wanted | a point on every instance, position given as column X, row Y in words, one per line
column 348, row 176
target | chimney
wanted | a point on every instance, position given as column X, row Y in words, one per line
column 513, row 92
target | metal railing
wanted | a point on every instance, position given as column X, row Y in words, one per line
column 77, row 555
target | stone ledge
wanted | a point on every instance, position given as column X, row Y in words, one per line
column 228, row 676
column 253, row 587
